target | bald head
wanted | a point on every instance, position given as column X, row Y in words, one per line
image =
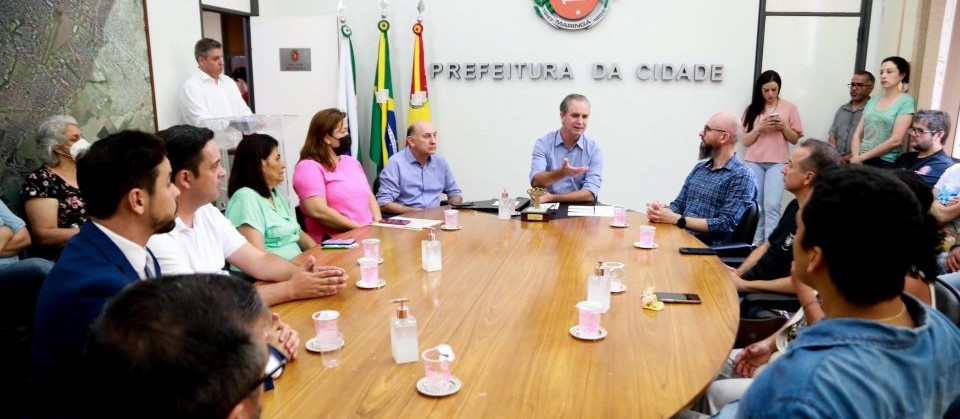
column 728, row 122
column 422, row 139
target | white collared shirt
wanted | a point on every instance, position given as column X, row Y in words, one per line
column 203, row 248
column 136, row 254
column 203, row 97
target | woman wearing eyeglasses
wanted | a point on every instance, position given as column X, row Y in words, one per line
column 771, row 124
column 879, row 137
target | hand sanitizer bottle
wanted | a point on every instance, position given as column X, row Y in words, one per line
column 430, row 254
column 598, row 287
column 503, row 208
column 403, row 334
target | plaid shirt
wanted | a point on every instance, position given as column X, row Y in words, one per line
column 719, row 196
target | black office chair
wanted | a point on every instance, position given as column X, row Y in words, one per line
column 741, row 240
column 948, row 300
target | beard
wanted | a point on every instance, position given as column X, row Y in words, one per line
column 706, row 150
column 165, row 224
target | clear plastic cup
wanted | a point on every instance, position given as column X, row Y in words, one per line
column 590, row 312
column 437, row 370
column 615, row 271
column 450, row 218
column 330, row 351
column 369, row 270
column 619, row 215
column 371, row 248
column 647, row 235
column 325, row 323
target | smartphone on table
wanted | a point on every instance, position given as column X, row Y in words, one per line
column 338, row 242
column 395, row 221
column 679, row 298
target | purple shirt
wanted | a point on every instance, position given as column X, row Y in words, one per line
column 407, row 182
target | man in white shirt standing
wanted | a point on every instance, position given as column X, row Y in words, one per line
column 208, row 93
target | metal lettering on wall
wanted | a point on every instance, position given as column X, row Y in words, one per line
column 598, row 71
column 294, row 59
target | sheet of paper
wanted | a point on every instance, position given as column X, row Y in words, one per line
column 588, row 211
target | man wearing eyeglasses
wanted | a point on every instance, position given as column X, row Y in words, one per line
column 848, row 116
column 191, row 346
column 715, row 194
column 927, row 134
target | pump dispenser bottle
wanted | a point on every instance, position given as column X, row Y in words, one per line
column 503, row 208
column 430, row 253
column 403, row 334
column 598, row 287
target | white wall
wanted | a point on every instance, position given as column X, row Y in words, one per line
column 296, row 93
column 174, row 29
column 487, row 128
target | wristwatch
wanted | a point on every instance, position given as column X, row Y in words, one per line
column 682, row 222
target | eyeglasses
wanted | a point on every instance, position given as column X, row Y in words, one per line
column 858, row 85
column 916, row 131
column 267, row 379
column 707, row 128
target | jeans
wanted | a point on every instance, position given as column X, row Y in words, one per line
column 769, row 194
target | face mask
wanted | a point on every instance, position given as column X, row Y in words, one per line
column 345, row 144
column 79, row 148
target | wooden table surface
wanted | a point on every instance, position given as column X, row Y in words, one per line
column 505, row 301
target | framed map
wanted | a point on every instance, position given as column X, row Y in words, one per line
column 84, row 58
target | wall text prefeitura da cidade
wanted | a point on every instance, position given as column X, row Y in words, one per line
column 563, row 71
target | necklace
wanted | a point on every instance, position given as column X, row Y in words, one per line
column 775, row 105
column 903, row 309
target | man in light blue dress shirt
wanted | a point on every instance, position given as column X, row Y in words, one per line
column 417, row 175
column 566, row 162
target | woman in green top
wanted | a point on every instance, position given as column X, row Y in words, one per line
column 255, row 208
column 879, row 136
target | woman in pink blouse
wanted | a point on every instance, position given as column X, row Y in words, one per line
column 770, row 124
column 333, row 189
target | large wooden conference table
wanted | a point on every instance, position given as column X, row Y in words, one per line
column 505, row 302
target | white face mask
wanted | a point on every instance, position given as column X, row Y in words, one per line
column 79, row 148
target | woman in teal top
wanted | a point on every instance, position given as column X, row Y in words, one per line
column 880, row 135
column 255, row 208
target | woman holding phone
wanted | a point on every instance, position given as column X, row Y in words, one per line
column 879, row 135
column 770, row 125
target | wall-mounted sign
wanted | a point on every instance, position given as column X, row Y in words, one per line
column 571, row 14
column 294, row 59
column 598, row 71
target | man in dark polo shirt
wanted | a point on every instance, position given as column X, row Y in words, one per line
column 767, row 269
column 848, row 116
column 927, row 133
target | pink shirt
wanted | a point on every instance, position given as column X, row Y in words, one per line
column 345, row 189
column 771, row 146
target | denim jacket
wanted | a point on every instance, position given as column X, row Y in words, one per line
column 848, row 368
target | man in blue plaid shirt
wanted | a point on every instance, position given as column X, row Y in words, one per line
column 717, row 191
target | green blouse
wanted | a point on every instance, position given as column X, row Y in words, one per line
column 276, row 221
column 878, row 125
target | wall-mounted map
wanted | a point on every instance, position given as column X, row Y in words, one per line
column 85, row 58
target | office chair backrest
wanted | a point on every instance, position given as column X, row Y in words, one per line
column 948, row 300
column 747, row 227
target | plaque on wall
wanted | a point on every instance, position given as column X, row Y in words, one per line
column 294, row 59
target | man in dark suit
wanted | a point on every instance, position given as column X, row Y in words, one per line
column 125, row 179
